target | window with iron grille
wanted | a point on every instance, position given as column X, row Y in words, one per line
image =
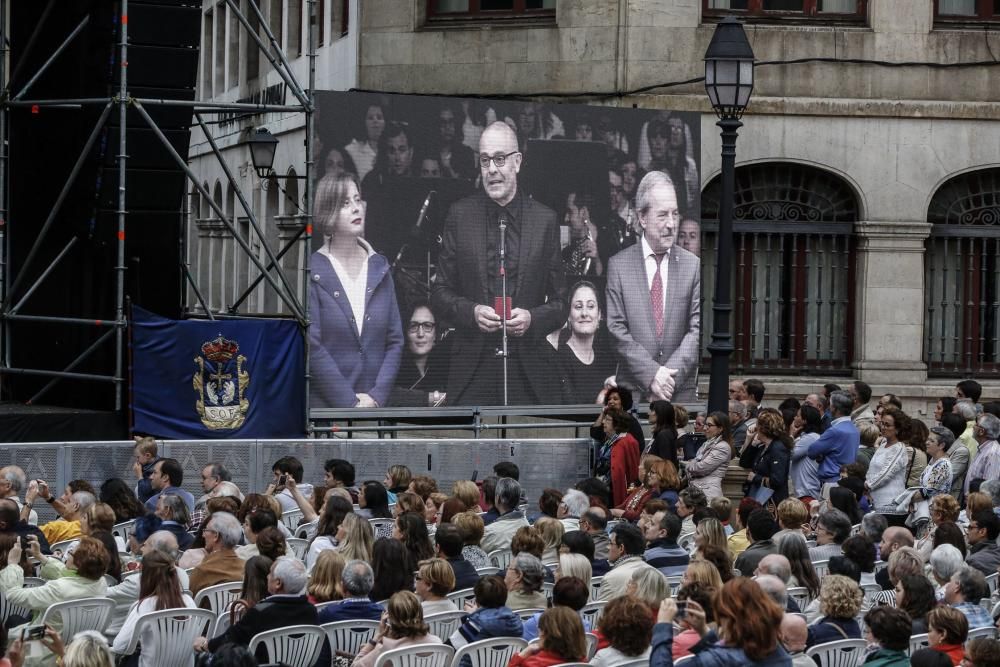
column 793, row 269
column 827, row 10
column 960, row 11
column 450, row 10
column 962, row 276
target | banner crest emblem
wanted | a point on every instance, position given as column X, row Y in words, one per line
column 221, row 383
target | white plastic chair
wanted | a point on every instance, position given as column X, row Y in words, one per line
column 63, row 546
column 611, row 525
column 7, row 610
column 123, row 530
column 841, row 653
column 495, row 652
column 527, row 613
column 291, row 518
column 918, row 642
column 219, row 596
column 461, row 597
column 679, row 661
column 801, row 596
column 592, row 612
column 547, row 588
column 298, row 546
column 686, row 541
column 988, row 632
column 175, row 631
column 592, row 642
column 295, row 646
column 484, row 571
column 444, row 624
column 423, row 655
column 79, row 615
column 500, row 558
column 644, row 662
column 595, row 586
column 33, row 582
column 382, row 527
column 347, row 637
column 222, row 623
column 674, row 582
column 991, row 581
column 304, row 529
column 822, row 568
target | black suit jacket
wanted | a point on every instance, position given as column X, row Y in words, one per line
column 463, row 282
column 465, row 574
column 269, row 614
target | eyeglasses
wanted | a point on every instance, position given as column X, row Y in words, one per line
column 974, row 526
column 426, row 327
column 711, row 424
column 500, row 159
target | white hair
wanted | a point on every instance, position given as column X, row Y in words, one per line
column 945, row 561
column 576, row 503
column 291, row 572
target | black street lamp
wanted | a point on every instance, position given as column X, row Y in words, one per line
column 729, row 82
column 262, row 145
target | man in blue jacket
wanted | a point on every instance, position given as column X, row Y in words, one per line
column 838, row 446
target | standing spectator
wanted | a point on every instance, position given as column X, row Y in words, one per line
column 838, row 446
column 663, row 424
column 146, row 458
column 886, row 477
column 805, row 470
column 986, row 464
column 770, row 466
column 618, row 458
column 966, row 409
column 861, row 411
column 708, row 467
column 937, row 476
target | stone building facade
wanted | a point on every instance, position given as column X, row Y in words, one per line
column 868, row 167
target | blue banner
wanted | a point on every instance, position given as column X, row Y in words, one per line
column 194, row 379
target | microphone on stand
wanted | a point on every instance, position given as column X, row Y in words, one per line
column 416, row 229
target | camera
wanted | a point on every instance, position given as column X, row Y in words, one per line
column 33, row 632
column 681, row 611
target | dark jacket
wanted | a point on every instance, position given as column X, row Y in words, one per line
column 634, row 429
column 465, row 574
column 984, row 556
column 709, row 654
column 184, row 538
column 277, row 611
column 748, row 561
column 664, row 445
column 348, row 610
column 344, row 363
column 829, row 629
column 487, row 623
column 887, row 658
column 772, row 464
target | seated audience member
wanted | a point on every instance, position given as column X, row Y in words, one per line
column 833, row 527
column 760, row 528
column 571, row 507
column 915, row 596
column 524, row 578
column 285, row 605
column 944, row 562
column 928, row 657
column 324, row 582
column 571, row 592
column 82, row 576
column 12, row 482
column 649, row 587
column 253, row 524
column 578, row 542
column 159, row 588
column 12, row 524
column 792, row 516
column 548, row 505
column 594, row 522
column 890, row 627
column 839, row 603
column 402, row 626
column 88, row 649
column 794, row 633
column 689, row 501
column 703, row 594
column 551, row 532
column 472, row 528
column 723, row 508
column 748, row 622
column 71, row 508
column 498, row 534
column 874, row 525
column 574, row 565
column 126, row 593
column 221, row 564
column 981, row 534
column 356, row 583
column 290, row 467
column 390, row 576
column 779, row 566
column 492, row 617
column 489, row 500
column 467, row 491
column 947, row 630
column 796, row 552
column 561, row 639
column 432, row 583
column 628, row 627
column 983, row 651
column 334, row 511
column 738, row 541
column 448, row 541
column 966, row 588
column 860, row 549
column 662, row 551
column 893, row 538
column 903, row 561
column 167, row 477
column 625, row 549
column 174, row 518
column 774, row 588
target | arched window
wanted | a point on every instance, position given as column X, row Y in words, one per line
column 793, row 269
column 962, row 281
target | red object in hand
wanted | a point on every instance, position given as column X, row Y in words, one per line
column 498, row 306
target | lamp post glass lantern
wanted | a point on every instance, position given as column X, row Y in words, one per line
column 729, row 83
column 262, row 145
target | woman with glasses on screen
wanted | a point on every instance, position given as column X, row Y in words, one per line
column 423, row 370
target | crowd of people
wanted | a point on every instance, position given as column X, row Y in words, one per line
column 855, row 521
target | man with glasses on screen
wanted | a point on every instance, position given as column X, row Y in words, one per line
column 653, row 293
column 467, row 288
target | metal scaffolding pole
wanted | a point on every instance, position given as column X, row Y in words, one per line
column 122, row 160
column 309, row 185
column 4, row 171
column 62, row 47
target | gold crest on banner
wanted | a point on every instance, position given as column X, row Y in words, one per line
column 221, row 384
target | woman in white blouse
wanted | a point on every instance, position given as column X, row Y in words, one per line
column 886, row 477
column 159, row 588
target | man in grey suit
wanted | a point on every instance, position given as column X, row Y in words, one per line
column 654, row 301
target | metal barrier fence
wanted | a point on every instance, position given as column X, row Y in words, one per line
column 544, row 463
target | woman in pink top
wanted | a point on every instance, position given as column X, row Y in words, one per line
column 402, row 625
column 702, row 594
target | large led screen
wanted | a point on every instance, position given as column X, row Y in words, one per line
column 479, row 252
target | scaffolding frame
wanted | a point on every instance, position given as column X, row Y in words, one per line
column 122, row 101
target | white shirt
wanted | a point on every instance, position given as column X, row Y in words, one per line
column 650, row 259
column 355, row 287
column 125, row 596
column 148, row 656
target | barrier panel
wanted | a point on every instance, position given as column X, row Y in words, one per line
column 544, row 463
